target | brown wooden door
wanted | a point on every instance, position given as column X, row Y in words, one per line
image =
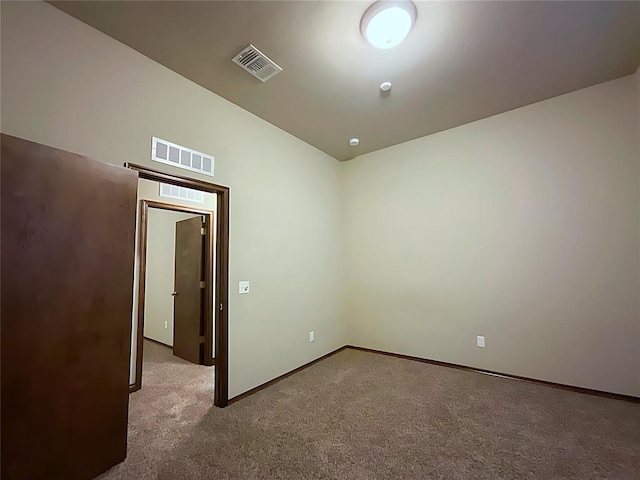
column 68, row 227
column 188, row 304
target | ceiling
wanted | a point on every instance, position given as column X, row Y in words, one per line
column 463, row 61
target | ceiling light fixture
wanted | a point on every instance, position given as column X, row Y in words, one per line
column 385, row 86
column 386, row 23
column 354, row 142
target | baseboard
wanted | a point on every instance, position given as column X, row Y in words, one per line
column 571, row 388
column 282, row 377
column 587, row 391
column 158, row 342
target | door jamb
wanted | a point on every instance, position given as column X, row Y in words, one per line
column 221, row 316
column 142, row 280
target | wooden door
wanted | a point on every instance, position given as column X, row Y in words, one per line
column 188, row 304
column 68, row 227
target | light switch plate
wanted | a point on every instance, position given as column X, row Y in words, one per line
column 243, row 287
column 480, row 341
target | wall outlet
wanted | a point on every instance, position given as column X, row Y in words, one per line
column 480, row 341
column 243, row 287
column 311, row 336
column 166, row 324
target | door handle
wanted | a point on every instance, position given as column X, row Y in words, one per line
column 173, row 294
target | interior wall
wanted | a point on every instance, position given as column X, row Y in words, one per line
column 67, row 85
column 161, row 254
column 523, row 228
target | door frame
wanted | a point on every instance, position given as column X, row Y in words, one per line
column 143, row 237
column 221, row 264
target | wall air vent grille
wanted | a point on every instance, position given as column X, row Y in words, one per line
column 257, row 63
column 181, row 157
column 181, row 193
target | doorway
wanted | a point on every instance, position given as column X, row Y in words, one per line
column 206, row 342
column 177, row 262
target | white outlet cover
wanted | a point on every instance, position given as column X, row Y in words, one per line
column 311, row 336
column 243, row 287
column 480, row 341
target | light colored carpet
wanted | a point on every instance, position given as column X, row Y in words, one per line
column 359, row 415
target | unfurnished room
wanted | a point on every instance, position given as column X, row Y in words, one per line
column 349, row 240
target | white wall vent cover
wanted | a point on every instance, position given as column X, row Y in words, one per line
column 257, row 63
column 181, row 157
column 181, row 193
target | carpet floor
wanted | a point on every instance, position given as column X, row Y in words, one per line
column 363, row 416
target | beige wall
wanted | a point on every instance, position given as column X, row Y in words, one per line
column 161, row 253
column 67, row 85
column 523, row 227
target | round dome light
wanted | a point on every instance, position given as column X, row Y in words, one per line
column 386, row 23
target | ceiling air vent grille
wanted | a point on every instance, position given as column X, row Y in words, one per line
column 257, row 63
column 181, row 157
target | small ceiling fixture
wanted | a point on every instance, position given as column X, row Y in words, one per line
column 385, row 86
column 386, row 23
column 354, row 142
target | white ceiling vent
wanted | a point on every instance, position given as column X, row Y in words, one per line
column 257, row 63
